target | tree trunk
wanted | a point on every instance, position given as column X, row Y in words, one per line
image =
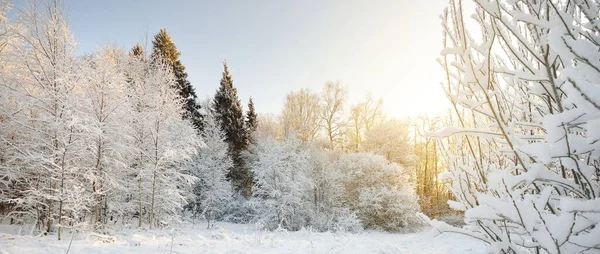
column 152, row 202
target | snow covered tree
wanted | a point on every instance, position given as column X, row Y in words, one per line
column 164, row 143
column 86, row 138
column 380, row 192
column 63, row 125
column 107, row 143
column 164, row 49
column 9, row 106
column 230, row 116
column 281, row 185
column 390, row 139
column 524, row 88
column 45, row 92
column 212, row 192
column 5, row 28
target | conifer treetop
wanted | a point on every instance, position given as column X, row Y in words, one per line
column 164, row 47
column 251, row 117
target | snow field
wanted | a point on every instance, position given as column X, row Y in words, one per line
column 241, row 238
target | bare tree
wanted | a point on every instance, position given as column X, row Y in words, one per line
column 354, row 128
column 334, row 97
column 363, row 116
column 372, row 112
column 301, row 114
column 269, row 126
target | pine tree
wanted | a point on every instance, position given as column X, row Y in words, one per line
column 137, row 51
column 251, row 117
column 228, row 110
column 165, row 50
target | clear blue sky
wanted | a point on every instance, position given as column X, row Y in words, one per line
column 386, row 47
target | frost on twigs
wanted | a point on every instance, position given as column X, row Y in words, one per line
column 524, row 156
column 443, row 132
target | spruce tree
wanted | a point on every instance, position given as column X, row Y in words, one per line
column 228, row 111
column 137, row 51
column 165, row 50
column 251, row 117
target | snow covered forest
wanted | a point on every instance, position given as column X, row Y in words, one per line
column 95, row 145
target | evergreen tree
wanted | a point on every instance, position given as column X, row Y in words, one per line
column 228, row 110
column 137, row 51
column 165, row 49
column 251, row 117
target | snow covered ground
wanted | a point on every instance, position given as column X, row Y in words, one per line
column 234, row 238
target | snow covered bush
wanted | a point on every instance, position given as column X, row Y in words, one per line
column 524, row 150
column 280, row 183
column 326, row 189
column 241, row 210
column 379, row 192
column 299, row 186
column 346, row 221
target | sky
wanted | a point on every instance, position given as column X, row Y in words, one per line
column 384, row 47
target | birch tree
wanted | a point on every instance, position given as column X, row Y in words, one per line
column 301, row 115
column 107, row 150
column 164, row 143
column 45, row 84
column 333, row 99
column 212, row 192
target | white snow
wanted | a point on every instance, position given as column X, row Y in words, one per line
column 242, row 238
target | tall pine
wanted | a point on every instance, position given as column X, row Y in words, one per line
column 164, row 49
column 251, row 117
column 228, row 111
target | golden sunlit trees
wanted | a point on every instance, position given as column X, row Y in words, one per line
column 334, row 98
column 269, row 126
column 363, row 116
column 391, row 139
column 428, row 164
column 301, row 114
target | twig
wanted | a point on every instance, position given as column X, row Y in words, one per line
column 72, row 236
column 172, row 238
